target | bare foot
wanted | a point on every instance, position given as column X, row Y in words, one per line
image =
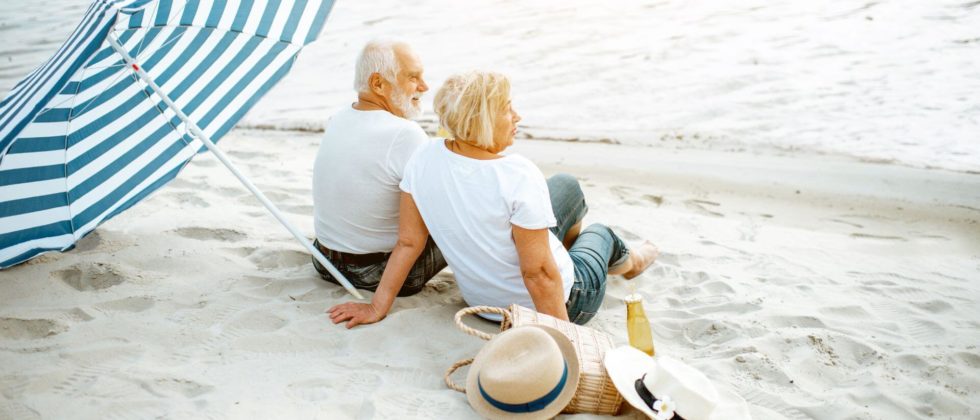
column 641, row 258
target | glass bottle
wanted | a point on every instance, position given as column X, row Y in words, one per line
column 637, row 324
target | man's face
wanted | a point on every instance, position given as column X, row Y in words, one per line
column 406, row 92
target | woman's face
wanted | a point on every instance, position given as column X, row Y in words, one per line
column 505, row 127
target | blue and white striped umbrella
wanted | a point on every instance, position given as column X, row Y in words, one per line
column 135, row 92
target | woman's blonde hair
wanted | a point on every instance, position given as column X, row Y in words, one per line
column 468, row 104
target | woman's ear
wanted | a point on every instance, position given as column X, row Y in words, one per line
column 376, row 83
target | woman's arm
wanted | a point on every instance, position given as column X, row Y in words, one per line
column 540, row 272
column 412, row 234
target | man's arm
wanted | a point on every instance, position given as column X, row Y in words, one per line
column 540, row 272
column 412, row 234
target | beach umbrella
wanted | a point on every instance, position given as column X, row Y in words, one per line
column 138, row 89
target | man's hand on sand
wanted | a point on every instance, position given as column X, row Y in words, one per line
column 355, row 314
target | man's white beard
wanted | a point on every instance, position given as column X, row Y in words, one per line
column 403, row 101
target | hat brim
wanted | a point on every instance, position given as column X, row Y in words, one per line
column 483, row 408
column 626, row 364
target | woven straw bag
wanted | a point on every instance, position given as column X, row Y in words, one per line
column 596, row 392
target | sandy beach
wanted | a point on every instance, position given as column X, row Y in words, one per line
column 815, row 287
column 815, row 196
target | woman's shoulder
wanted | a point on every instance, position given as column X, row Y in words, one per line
column 520, row 163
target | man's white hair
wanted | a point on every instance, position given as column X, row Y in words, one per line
column 378, row 56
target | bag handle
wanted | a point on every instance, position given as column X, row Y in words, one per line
column 453, row 368
column 473, row 310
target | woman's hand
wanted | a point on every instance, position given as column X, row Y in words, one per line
column 355, row 314
column 412, row 235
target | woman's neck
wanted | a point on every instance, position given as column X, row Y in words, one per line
column 467, row 149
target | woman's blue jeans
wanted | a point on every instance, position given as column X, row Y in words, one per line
column 595, row 249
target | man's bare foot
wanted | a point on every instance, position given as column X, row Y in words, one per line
column 641, row 258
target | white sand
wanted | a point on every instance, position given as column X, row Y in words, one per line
column 814, row 287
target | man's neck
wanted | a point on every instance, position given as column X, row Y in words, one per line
column 370, row 103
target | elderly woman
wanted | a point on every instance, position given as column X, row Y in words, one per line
column 509, row 235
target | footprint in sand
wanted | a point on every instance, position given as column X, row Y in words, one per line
column 259, row 321
column 852, row 312
column 279, row 346
column 885, row 238
column 626, row 195
column 702, row 207
column 276, row 197
column 695, row 277
column 243, row 251
column 845, row 222
column 89, row 242
column 774, row 403
column 970, row 359
column 181, row 183
column 702, row 332
column 173, row 387
column 244, row 155
column 16, row 410
column 204, row 163
column 29, row 329
column 795, row 321
column 187, row 199
column 412, row 405
column 328, row 292
column 76, row 315
column 209, row 234
column 655, row 199
column 130, row 304
column 718, row 288
column 91, row 276
column 934, row 306
column 312, row 390
column 302, row 209
column 282, row 288
column 926, row 331
column 267, row 259
column 231, row 192
column 359, row 383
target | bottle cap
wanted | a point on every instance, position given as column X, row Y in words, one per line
column 632, row 298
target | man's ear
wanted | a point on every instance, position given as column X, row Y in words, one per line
column 376, row 84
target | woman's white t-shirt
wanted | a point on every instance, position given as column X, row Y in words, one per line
column 469, row 206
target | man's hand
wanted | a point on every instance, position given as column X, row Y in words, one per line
column 355, row 314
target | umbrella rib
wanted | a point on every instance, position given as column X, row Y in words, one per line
column 139, row 48
column 75, row 94
column 96, row 100
column 71, row 217
column 168, row 42
column 170, row 20
column 106, row 67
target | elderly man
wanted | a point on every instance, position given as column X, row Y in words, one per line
column 360, row 162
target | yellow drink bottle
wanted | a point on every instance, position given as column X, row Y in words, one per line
column 637, row 324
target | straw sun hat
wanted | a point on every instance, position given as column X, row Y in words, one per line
column 528, row 372
column 660, row 385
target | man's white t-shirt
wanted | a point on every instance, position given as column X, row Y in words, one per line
column 469, row 206
column 355, row 179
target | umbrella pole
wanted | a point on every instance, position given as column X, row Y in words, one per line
column 196, row 131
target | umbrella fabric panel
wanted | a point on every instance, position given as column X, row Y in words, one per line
column 111, row 142
column 30, row 95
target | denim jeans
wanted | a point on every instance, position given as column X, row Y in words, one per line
column 367, row 277
column 595, row 249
